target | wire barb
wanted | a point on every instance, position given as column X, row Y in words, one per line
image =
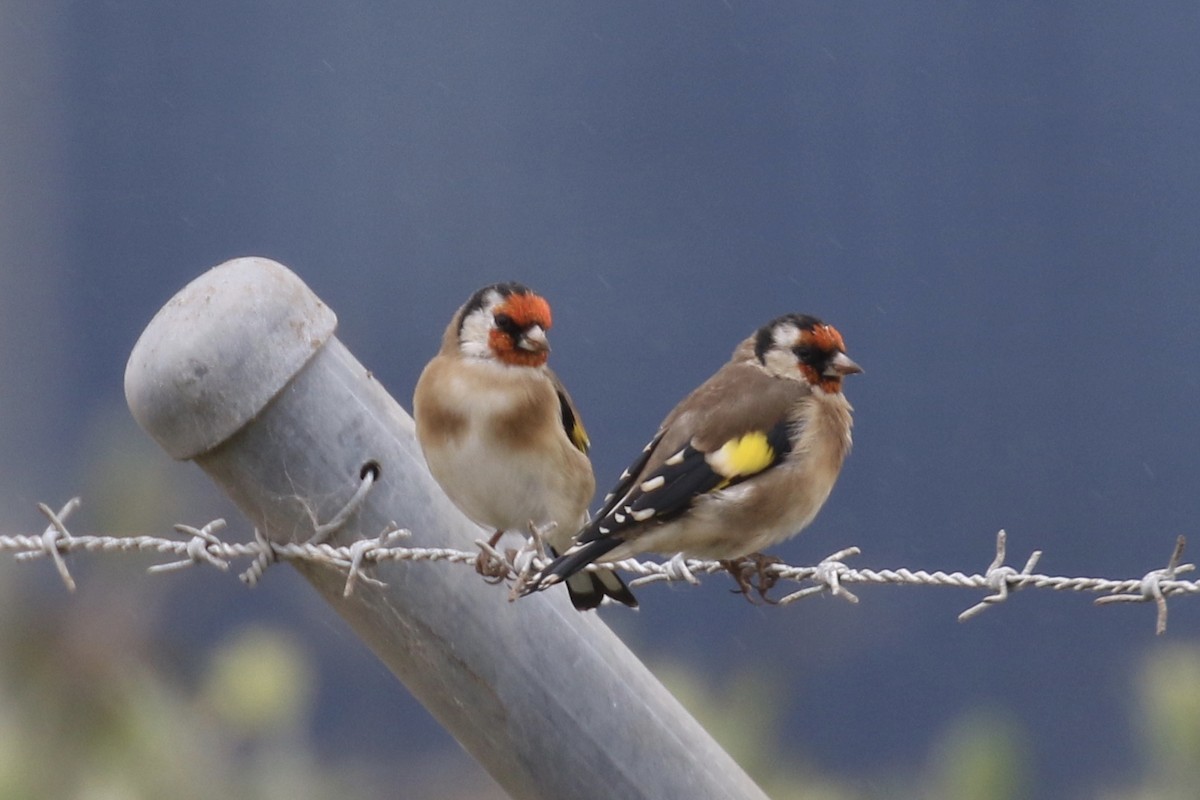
column 270, row 552
column 677, row 570
column 364, row 550
column 55, row 540
column 265, row 557
column 1151, row 587
column 324, row 531
column 998, row 577
column 826, row 576
column 198, row 551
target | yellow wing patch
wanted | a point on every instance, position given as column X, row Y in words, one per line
column 742, row 456
column 579, row 437
column 571, row 423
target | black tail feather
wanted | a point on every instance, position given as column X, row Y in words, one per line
column 589, row 589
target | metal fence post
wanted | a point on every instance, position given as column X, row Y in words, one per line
column 241, row 373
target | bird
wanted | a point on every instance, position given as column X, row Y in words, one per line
column 500, row 433
column 742, row 463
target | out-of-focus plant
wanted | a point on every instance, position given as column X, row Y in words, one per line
column 92, row 705
column 980, row 757
column 1169, row 707
column 79, row 720
column 745, row 716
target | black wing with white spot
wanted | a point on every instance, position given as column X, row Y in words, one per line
column 625, row 482
column 685, row 475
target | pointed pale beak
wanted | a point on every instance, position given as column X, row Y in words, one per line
column 534, row 340
column 841, row 364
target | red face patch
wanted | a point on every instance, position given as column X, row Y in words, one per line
column 507, row 351
column 826, row 338
column 831, row 384
column 810, row 374
column 525, row 310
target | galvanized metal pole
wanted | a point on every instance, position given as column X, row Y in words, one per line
column 241, row 373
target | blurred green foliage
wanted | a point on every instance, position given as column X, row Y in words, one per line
column 979, row 756
column 1168, row 693
column 85, row 715
column 94, row 702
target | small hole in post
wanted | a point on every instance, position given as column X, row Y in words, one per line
column 371, row 468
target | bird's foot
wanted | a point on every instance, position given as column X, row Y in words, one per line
column 751, row 572
column 539, row 536
column 490, row 564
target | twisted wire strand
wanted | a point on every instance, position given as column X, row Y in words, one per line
column 832, row 575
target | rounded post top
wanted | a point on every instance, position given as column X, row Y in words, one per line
column 220, row 350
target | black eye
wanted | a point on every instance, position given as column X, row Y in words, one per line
column 506, row 323
column 807, row 354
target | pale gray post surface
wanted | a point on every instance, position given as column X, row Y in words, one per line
column 241, row 373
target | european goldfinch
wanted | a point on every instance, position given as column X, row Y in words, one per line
column 500, row 433
column 742, row 463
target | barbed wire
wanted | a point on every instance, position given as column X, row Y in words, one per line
column 831, row 575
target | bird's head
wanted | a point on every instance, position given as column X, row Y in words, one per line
column 800, row 347
column 506, row 322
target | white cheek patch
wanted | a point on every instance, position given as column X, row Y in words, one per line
column 473, row 334
column 781, row 362
column 779, row 359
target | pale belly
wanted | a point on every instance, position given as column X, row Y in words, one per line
column 507, row 494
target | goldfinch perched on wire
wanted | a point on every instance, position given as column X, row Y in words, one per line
column 742, row 463
column 500, row 433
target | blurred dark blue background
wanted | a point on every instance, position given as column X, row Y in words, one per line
column 997, row 205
